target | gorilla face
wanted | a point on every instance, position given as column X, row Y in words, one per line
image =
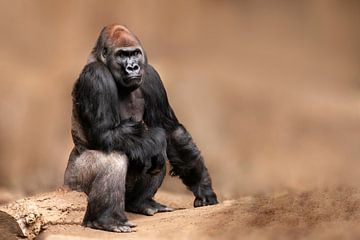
column 127, row 66
column 121, row 51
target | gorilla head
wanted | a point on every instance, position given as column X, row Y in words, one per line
column 121, row 51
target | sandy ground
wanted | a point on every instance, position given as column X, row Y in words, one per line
column 318, row 214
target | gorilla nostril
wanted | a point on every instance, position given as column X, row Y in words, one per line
column 132, row 69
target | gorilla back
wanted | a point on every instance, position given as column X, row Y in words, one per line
column 124, row 130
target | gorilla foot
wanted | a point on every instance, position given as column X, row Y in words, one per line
column 120, row 227
column 149, row 207
column 160, row 207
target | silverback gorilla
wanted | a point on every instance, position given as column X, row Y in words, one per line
column 124, row 130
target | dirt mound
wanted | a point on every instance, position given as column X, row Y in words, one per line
column 317, row 214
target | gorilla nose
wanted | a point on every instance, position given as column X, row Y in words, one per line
column 132, row 69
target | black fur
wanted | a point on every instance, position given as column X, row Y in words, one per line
column 138, row 121
column 96, row 101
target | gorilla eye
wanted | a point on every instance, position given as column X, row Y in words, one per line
column 137, row 52
column 104, row 52
column 121, row 54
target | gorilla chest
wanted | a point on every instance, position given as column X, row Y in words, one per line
column 132, row 105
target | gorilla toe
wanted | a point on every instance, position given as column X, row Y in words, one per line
column 160, row 207
column 130, row 224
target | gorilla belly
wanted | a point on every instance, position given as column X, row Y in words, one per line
column 132, row 106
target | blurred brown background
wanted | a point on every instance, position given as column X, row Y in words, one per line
column 270, row 90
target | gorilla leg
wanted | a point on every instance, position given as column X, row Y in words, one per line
column 102, row 177
column 140, row 190
column 187, row 163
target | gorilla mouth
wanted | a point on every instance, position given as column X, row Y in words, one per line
column 133, row 80
column 135, row 77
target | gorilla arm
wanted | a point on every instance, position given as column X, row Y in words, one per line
column 96, row 102
column 184, row 156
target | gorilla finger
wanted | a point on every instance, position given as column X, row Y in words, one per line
column 211, row 200
column 125, row 229
column 199, row 202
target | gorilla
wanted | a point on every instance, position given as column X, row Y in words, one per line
column 124, row 130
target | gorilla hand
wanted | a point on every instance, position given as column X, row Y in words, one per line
column 132, row 127
column 157, row 164
column 204, row 196
column 152, row 160
column 206, row 200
